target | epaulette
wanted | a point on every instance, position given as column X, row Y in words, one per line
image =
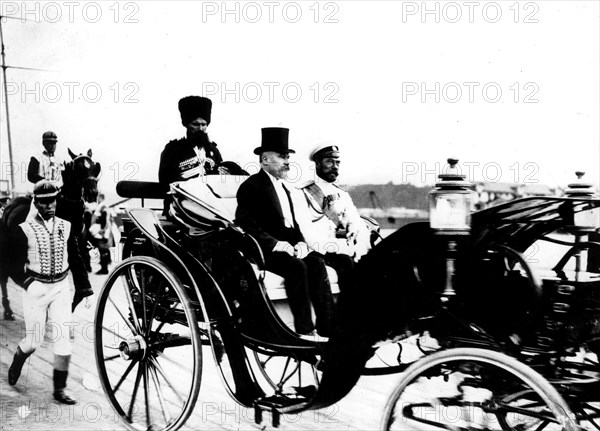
column 174, row 141
column 305, row 184
column 339, row 187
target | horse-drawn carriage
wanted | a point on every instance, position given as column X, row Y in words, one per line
column 503, row 344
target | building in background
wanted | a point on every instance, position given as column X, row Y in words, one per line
column 490, row 194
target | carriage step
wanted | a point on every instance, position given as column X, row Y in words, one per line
column 278, row 404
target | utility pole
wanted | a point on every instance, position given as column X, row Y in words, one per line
column 10, row 154
column 5, row 89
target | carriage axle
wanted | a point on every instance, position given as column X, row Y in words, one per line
column 133, row 349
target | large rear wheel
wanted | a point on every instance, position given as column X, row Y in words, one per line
column 475, row 389
column 148, row 349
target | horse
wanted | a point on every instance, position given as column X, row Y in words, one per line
column 80, row 183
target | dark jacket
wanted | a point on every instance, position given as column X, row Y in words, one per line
column 259, row 213
column 179, row 157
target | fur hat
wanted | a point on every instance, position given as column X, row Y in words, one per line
column 192, row 107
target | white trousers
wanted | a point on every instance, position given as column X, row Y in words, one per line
column 47, row 302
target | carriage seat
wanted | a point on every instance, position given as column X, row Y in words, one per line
column 210, row 202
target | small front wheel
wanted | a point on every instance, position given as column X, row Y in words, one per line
column 148, row 348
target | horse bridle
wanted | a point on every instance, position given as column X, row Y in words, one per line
column 91, row 164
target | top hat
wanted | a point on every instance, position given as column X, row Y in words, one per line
column 45, row 189
column 192, row 107
column 324, row 149
column 49, row 136
column 274, row 139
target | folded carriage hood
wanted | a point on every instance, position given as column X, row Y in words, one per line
column 521, row 222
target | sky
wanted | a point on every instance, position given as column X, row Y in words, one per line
column 510, row 88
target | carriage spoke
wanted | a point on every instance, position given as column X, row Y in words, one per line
column 123, row 377
column 127, row 322
column 593, row 422
column 167, row 381
column 295, row 369
column 176, row 341
column 279, row 370
column 111, row 358
column 147, row 396
column 542, row 426
column 116, row 334
column 287, row 364
column 130, row 302
column 524, row 411
column 161, row 399
column 156, row 362
column 136, row 386
column 160, row 326
column 476, row 389
column 134, row 393
column 145, row 322
column 153, row 313
column 589, row 417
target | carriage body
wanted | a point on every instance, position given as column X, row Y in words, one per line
column 212, row 280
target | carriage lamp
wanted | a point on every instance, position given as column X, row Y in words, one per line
column 583, row 221
column 450, row 203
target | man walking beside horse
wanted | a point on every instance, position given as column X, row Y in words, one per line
column 39, row 263
column 79, row 179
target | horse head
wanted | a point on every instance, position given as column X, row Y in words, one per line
column 82, row 173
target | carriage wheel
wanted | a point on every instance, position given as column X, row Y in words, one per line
column 287, row 374
column 467, row 389
column 148, row 349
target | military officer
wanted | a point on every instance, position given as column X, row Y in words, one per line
column 195, row 154
column 336, row 221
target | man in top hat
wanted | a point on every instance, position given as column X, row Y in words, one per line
column 266, row 211
column 46, row 166
column 38, row 262
column 336, row 221
column 195, row 154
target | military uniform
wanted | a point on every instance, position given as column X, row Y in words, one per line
column 182, row 159
column 336, row 221
column 194, row 155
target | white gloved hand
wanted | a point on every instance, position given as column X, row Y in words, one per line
column 352, row 235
